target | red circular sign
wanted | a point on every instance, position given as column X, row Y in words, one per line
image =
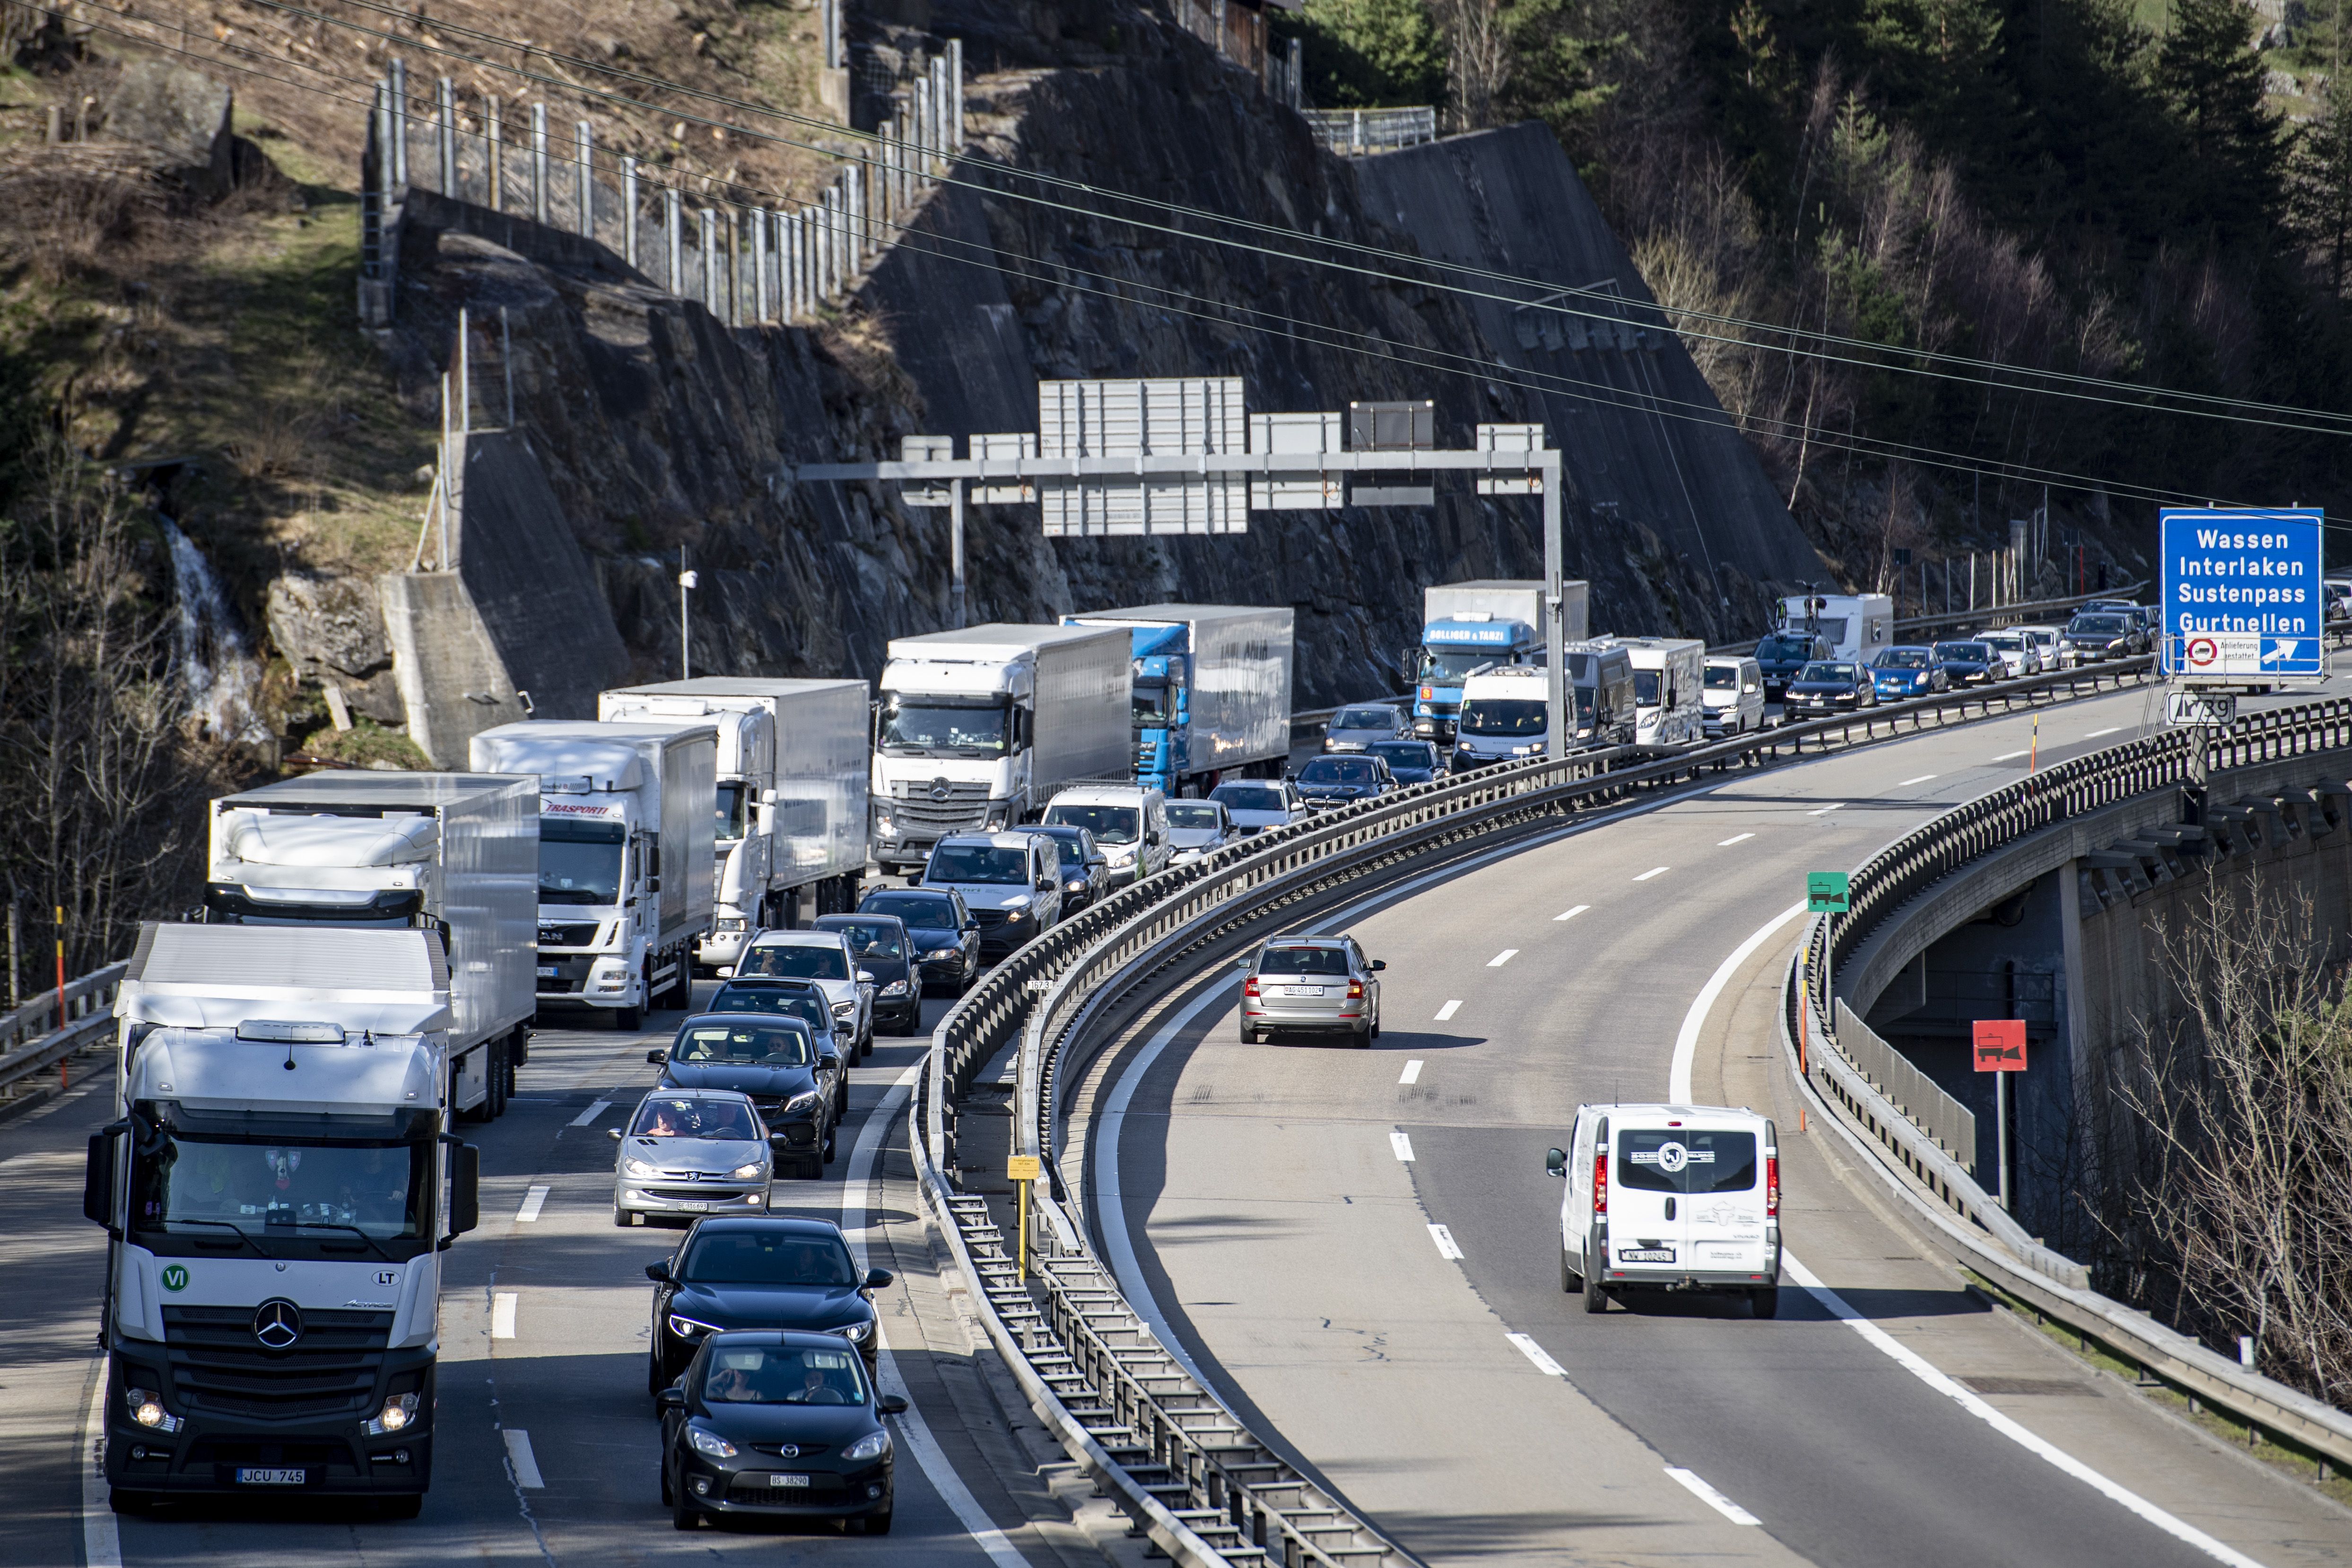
column 2203, row 651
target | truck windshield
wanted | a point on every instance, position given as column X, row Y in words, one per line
column 1449, row 667
column 943, row 727
column 579, row 862
column 1108, row 824
column 194, row 1185
column 1152, row 707
column 733, row 811
column 1503, row 716
column 977, row 863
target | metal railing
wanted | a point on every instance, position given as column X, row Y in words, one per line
column 1353, row 132
column 1952, row 1125
column 32, row 1041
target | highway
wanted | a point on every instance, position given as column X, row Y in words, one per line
column 1360, row 1248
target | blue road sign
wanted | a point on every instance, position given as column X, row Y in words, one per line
column 2242, row 593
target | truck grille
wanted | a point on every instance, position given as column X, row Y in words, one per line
column 568, row 935
column 219, row 1366
column 939, row 805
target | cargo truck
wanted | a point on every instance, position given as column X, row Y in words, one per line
column 790, row 817
column 1472, row 626
column 278, row 1188
column 1211, row 691
column 977, row 729
column 625, row 856
column 456, row 853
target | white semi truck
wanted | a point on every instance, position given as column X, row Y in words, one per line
column 977, row 729
column 457, row 854
column 793, row 759
column 278, row 1188
column 1211, row 691
column 625, row 866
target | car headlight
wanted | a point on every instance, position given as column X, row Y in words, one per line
column 845, row 1009
column 1015, row 917
column 691, row 1329
column 801, row 1102
column 945, row 952
column 1075, row 885
column 396, row 1416
column 709, row 1442
column 748, row 1173
column 632, row 1166
column 147, row 1409
column 873, row 1446
column 857, row 1333
column 896, row 988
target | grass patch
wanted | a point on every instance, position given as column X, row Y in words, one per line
column 366, row 744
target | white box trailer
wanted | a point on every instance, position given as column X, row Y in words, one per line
column 1857, row 625
column 1211, row 688
column 456, row 853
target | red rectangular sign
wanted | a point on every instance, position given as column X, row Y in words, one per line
column 2001, row 1045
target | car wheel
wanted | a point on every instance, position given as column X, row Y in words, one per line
column 878, row 1524
column 1376, row 1023
column 629, row 1020
column 812, row 1169
column 1596, row 1300
column 669, row 1499
column 1570, row 1282
column 623, row 1219
column 1765, row 1302
column 683, row 1514
column 1363, row 1033
column 1250, row 1037
column 831, row 1137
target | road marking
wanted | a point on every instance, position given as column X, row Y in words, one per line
column 531, row 1203
column 1919, row 1367
column 593, row 1111
column 1652, row 871
column 1446, row 1011
column 1735, row 838
column 1536, row 1353
column 1923, row 778
column 1678, row 1073
column 519, row 1458
column 1572, row 914
column 1411, row 1073
column 2108, row 731
column 1446, row 1246
column 102, row 1541
column 502, row 1314
column 1403, row 1145
column 2011, row 756
column 1712, row 1498
column 1827, row 809
column 1503, row 958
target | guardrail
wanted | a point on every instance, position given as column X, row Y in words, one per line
column 1987, row 616
column 30, row 1041
column 1353, row 132
column 1054, row 990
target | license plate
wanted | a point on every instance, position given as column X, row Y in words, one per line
column 549, row 972
column 781, row 1479
column 258, row 1478
column 691, row 1205
column 1647, row 1255
column 1302, row 991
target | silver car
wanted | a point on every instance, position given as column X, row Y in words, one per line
column 824, row 957
column 689, row 1152
column 1257, row 805
column 1355, row 728
column 1198, row 827
column 1323, row 984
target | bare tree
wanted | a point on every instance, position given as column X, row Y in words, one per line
column 1477, row 58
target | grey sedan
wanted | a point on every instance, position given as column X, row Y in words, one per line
column 1322, row 983
column 1353, row 728
column 1198, row 827
column 688, row 1152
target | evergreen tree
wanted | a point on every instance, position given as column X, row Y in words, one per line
column 2208, row 68
column 1365, row 54
column 2320, row 197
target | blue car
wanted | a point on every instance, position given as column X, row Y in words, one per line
column 1912, row 672
column 1410, row 762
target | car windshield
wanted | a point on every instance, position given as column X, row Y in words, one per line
column 1785, row 649
column 1338, row 771
column 1684, row 1159
column 2095, row 627
column 780, row 1375
column 936, row 727
column 1904, row 659
column 760, row 1257
column 1963, row 652
column 872, row 938
column 1722, row 677
column 2008, row 641
column 1403, row 753
column 927, row 910
column 780, row 1044
column 1192, row 814
column 1364, row 719
column 793, row 961
column 1249, row 797
column 977, row 863
column 683, row 1116
column 1303, row 960
column 1503, row 716
column 579, row 862
column 806, row 1003
column 1646, row 683
column 1443, row 667
column 186, row 1182
column 1108, row 824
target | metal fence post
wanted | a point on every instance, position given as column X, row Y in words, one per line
column 955, row 95
column 731, row 240
column 584, row 137
column 706, row 234
column 539, row 191
column 674, row 228
column 445, row 92
column 758, row 220
column 494, row 161
column 629, row 211
column 938, row 137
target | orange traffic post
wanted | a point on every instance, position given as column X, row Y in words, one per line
column 61, row 966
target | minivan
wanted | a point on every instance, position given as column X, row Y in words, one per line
column 1670, row 1197
column 1129, row 821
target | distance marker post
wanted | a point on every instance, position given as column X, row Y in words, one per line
column 1021, row 1170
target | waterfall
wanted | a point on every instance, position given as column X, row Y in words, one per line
column 222, row 674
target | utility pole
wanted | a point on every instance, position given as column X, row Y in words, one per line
column 687, row 582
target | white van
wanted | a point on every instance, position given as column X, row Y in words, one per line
column 1129, row 821
column 1669, row 682
column 1670, row 1197
column 1734, row 695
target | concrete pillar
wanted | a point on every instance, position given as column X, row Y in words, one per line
column 583, row 138
column 538, row 189
column 445, row 93
column 955, row 95
column 399, row 122
column 707, row 233
column 760, row 220
column 629, row 211
column 674, row 226
column 920, row 100
column 853, row 180
column 937, row 132
column 731, row 254
column 494, row 161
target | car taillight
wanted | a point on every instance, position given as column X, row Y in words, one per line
column 1355, row 988
column 1600, row 1183
column 1771, row 1186
column 1249, row 986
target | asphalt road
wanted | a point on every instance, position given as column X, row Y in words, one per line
column 1281, row 1207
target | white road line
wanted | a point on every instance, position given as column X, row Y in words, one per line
column 593, row 1111
column 857, row 1193
column 2110, row 730
column 1446, row 1246
column 1678, row 1072
column 1923, row 778
column 1572, row 914
column 1503, row 958
column 1411, row 1073
column 1653, row 871
column 2011, row 756
column 1712, row 1498
column 1735, row 838
column 1536, row 1353
column 521, row 1459
column 1919, row 1367
column 533, row 1201
column 1403, row 1145
column 101, row 1542
column 502, row 1315
column 1827, row 809
column 1447, row 1012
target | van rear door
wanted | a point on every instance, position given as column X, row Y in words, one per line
column 1647, row 1202
column 1723, row 1207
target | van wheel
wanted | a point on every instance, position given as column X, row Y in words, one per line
column 1765, row 1302
column 1596, row 1300
column 1570, row 1282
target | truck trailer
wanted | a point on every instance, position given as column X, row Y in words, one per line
column 791, row 819
column 1211, row 691
column 977, row 729
column 1473, row 626
column 278, row 1188
column 457, row 854
column 626, row 855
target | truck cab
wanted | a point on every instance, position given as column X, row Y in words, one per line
column 1452, row 651
column 1211, row 689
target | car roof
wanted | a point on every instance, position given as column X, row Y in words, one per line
column 1642, row 1111
column 732, row 1019
column 1099, row 795
column 1304, row 942
column 697, row 1093
column 802, row 938
column 773, row 982
column 821, row 923
column 1017, row 838
column 788, row 1224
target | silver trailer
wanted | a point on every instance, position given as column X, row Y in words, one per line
column 1212, row 689
column 1504, row 599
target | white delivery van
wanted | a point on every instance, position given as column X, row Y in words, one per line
column 1670, row 1197
column 1734, row 695
column 1130, row 821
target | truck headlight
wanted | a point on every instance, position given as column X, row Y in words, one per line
column 885, row 827
column 398, row 1414
column 729, row 923
column 1015, row 917
column 147, row 1409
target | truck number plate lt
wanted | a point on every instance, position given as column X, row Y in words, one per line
column 256, row 1477
column 1646, row 1255
column 778, row 1478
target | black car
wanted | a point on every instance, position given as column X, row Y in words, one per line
column 2098, row 636
column 1968, row 663
column 798, row 1089
column 739, row 1272
column 1086, row 869
column 1410, row 762
column 946, row 938
column 803, row 999
column 777, row 1424
column 1330, row 781
column 886, row 951
column 1830, row 686
column 1783, row 653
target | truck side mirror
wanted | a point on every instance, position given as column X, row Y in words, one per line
column 465, row 1189
column 97, row 1181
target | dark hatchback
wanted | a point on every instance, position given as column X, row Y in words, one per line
column 777, row 1425
column 886, row 951
column 1332, row 781
column 1830, row 686
column 796, row 1088
column 1783, row 654
column 1086, row 869
column 1968, row 663
column 2108, row 633
column 1410, row 762
column 764, row 1272
column 946, row 938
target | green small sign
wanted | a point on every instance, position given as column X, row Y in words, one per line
column 1825, row 892
column 175, row 1278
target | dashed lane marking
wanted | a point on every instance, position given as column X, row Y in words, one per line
column 1923, row 778
column 519, row 1458
column 1536, row 1353
column 1735, row 838
column 1572, row 914
column 1503, row 958
column 1653, row 871
column 1446, row 1246
column 533, row 1201
column 502, row 1315
column 1411, row 1073
column 1824, row 811
column 588, row 1116
column 1403, row 1145
column 1448, row 1011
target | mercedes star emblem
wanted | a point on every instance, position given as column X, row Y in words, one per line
column 278, row 1323
column 940, row 790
